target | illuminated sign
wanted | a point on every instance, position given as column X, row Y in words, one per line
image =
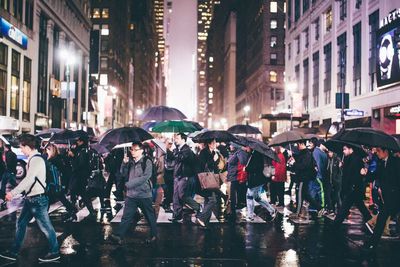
column 395, row 110
column 354, row 112
column 13, row 33
column 394, row 15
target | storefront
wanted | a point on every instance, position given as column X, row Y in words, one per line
column 387, row 118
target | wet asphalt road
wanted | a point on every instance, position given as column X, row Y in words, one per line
column 280, row 243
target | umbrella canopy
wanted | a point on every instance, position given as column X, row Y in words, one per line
column 196, row 125
column 258, row 146
column 156, row 142
column 371, row 137
column 48, row 133
column 162, row 113
column 99, row 148
column 148, row 126
column 124, row 135
column 287, row 138
column 337, row 147
column 244, row 129
column 67, row 136
column 219, row 136
column 174, row 127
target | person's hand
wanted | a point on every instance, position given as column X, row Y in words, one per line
column 340, row 164
column 126, row 159
column 71, row 154
column 8, row 196
column 364, row 171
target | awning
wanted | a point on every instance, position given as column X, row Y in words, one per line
column 284, row 117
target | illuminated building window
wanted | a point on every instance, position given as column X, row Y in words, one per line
column 104, row 13
column 273, row 76
column 274, row 24
column 273, row 7
column 210, row 89
column 328, row 20
column 274, row 40
column 105, row 30
column 96, row 13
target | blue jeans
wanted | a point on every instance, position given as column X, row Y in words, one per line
column 35, row 207
column 254, row 194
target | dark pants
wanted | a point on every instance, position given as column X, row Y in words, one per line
column 210, row 205
column 336, row 195
column 234, row 197
column 130, row 209
column 110, row 181
column 79, row 190
column 35, row 207
column 169, row 188
column 303, row 193
column 6, row 177
column 277, row 192
column 181, row 197
column 328, row 193
column 354, row 197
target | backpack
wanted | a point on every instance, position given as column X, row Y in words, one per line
column 242, row 175
column 53, row 179
column 153, row 177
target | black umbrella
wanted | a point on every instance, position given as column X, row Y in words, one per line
column 48, row 133
column 371, row 137
column 68, row 136
column 123, row 135
column 257, row 145
column 287, row 138
column 162, row 113
column 244, row 129
column 337, row 147
column 99, row 148
column 219, row 136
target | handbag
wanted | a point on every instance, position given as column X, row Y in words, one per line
column 209, row 180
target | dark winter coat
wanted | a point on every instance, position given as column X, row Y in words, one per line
column 185, row 162
column 255, row 169
column 304, row 166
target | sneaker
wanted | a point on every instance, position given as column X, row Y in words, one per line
column 50, row 257
column 9, row 255
column 200, row 222
column 369, row 228
column 321, row 212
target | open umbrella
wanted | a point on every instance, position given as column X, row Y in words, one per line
column 148, row 126
column 67, row 136
column 162, row 113
column 48, row 133
column 174, row 127
column 257, row 145
column 371, row 137
column 99, row 148
column 337, row 147
column 156, row 142
column 124, row 135
column 244, row 129
column 288, row 137
column 217, row 135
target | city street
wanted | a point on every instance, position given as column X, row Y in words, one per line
column 258, row 243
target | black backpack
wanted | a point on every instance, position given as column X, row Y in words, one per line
column 153, row 177
column 53, row 179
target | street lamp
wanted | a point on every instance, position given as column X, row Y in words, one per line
column 246, row 110
column 291, row 87
column 114, row 91
column 67, row 56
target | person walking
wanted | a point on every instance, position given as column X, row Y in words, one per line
column 278, row 179
column 9, row 163
column 185, row 169
column 333, row 186
column 354, row 191
column 35, row 203
column 139, row 194
column 169, row 165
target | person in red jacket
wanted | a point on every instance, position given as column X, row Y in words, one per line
column 279, row 179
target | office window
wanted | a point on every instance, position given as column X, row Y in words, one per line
column 357, row 59
column 5, row 4
column 296, row 10
column 103, row 63
column 306, row 5
column 328, row 73
column 104, row 30
column 273, row 7
column 274, row 59
column 289, row 50
column 297, row 45
column 16, row 10
column 316, row 29
column 373, row 27
column 306, row 37
column 358, row 4
column 273, row 76
column 26, row 102
column 96, row 13
column 29, row 14
column 104, row 13
column 328, row 20
column 315, row 79
column 104, row 45
column 342, row 62
column 3, row 79
column 274, row 24
column 273, row 41
column 305, row 83
column 15, row 71
column 343, row 9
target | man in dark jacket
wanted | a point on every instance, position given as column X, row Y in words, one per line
column 388, row 172
column 334, row 182
column 354, row 189
column 80, row 174
column 138, row 194
column 185, row 169
column 10, row 168
column 305, row 169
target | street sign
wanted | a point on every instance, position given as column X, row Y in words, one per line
column 354, row 112
column 339, row 100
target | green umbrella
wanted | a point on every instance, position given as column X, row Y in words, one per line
column 174, row 127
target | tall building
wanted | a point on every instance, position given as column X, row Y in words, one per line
column 31, row 70
column 260, row 61
column 160, row 54
column 332, row 48
column 181, row 53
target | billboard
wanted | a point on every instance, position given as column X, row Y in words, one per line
column 388, row 60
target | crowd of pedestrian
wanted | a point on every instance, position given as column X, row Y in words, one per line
column 148, row 178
